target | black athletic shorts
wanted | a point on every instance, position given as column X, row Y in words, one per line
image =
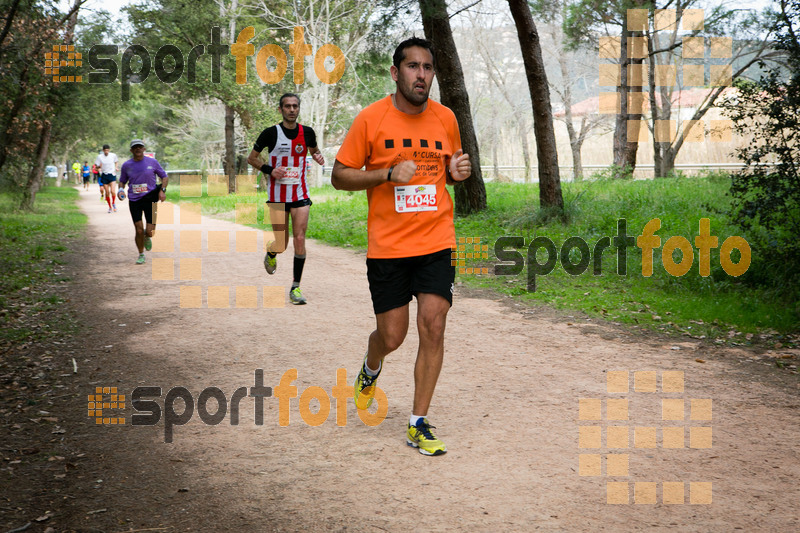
column 144, row 205
column 392, row 282
column 299, row 203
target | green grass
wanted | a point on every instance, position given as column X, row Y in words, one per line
column 31, row 249
column 699, row 306
column 345, row 218
column 704, row 307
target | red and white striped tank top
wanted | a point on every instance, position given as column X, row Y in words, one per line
column 289, row 153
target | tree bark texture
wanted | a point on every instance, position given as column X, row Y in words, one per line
column 574, row 142
column 627, row 123
column 230, row 152
column 470, row 194
column 36, row 174
column 549, row 179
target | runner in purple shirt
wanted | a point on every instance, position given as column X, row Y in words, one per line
column 139, row 173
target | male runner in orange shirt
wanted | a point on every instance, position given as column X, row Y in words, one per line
column 410, row 148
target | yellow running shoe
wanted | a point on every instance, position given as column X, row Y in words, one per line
column 296, row 297
column 270, row 264
column 421, row 436
column 364, row 387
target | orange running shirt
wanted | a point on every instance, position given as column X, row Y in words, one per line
column 405, row 220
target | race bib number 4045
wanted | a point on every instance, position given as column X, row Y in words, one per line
column 410, row 198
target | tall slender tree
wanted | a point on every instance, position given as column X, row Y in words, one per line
column 549, row 180
column 470, row 195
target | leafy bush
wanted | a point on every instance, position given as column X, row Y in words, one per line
column 767, row 192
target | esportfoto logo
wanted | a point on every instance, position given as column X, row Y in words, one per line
column 512, row 261
column 148, row 412
column 170, row 64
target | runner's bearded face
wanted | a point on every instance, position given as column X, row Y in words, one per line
column 415, row 75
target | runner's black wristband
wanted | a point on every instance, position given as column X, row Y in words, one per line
column 389, row 175
column 266, row 169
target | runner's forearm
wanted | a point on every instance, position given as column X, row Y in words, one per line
column 353, row 179
column 256, row 161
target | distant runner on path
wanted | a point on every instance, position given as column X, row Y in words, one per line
column 87, row 175
column 410, row 147
column 140, row 172
column 96, row 179
column 287, row 143
column 109, row 164
column 76, row 168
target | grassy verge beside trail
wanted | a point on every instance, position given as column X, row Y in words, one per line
column 718, row 307
column 31, row 250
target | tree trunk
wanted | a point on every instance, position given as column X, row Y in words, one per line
column 9, row 19
column 470, row 194
column 667, row 162
column 574, row 142
column 658, row 170
column 5, row 133
column 230, row 150
column 624, row 151
column 577, row 163
column 36, row 174
column 495, row 142
column 549, row 180
column 229, row 163
column 526, row 152
column 621, row 121
column 320, row 115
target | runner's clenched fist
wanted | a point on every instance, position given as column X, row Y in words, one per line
column 460, row 166
column 404, row 171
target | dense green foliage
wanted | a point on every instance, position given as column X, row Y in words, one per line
column 767, row 191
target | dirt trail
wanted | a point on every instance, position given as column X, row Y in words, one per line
column 506, row 405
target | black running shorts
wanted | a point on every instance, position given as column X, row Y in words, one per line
column 299, row 203
column 392, row 282
column 144, row 205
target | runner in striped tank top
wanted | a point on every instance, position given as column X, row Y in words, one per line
column 288, row 144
